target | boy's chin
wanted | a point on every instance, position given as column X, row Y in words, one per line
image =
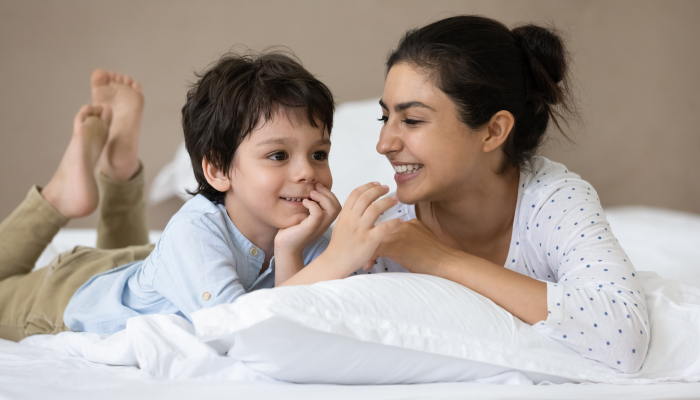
column 293, row 220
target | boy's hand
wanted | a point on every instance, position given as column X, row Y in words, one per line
column 355, row 238
column 323, row 209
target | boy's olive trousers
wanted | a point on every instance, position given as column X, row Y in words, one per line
column 33, row 302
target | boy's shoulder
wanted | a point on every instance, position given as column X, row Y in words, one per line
column 198, row 211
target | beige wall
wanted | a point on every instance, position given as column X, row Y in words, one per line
column 637, row 66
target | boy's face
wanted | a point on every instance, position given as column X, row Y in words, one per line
column 274, row 168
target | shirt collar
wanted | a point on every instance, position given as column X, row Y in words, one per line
column 251, row 251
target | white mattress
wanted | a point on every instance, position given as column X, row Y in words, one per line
column 661, row 241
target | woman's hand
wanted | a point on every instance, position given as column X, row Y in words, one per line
column 354, row 239
column 413, row 246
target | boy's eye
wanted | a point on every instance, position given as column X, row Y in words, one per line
column 383, row 119
column 278, row 156
column 320, row 156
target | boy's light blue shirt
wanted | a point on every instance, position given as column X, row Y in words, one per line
column 200, row 261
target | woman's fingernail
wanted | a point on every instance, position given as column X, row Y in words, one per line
column 375, row 183
column 385, row 186
column 394, row 198
column 320, row 185
column 314, row 192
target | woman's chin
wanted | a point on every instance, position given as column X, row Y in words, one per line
column 407, row 196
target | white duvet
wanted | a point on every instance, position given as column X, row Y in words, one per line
column 506, row 351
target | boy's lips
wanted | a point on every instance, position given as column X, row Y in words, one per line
column 294, row 200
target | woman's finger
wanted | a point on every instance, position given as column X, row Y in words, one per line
column 387, row 227
column 350, row 201
column 367, row 198
column 372, row 213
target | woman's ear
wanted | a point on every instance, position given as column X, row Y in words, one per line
column 215, row 176
column 498, row 129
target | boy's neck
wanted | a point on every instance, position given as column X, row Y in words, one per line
column 256, row 231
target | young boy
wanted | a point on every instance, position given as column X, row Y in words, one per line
column 257, row 130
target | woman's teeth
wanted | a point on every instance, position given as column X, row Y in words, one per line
column 407, row 169
column 297, row 199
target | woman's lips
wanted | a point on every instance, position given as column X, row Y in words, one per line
column 406, row 172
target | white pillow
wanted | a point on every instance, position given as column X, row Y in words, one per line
column 412, row 328
column 353, row 158
column 658, row 240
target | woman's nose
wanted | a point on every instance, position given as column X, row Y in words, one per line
column 389, row 141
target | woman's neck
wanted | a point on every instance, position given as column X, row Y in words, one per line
column 479, row 222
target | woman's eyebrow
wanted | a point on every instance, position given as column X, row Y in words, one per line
column 406, row 105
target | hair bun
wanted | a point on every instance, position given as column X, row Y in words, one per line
column 547, row 59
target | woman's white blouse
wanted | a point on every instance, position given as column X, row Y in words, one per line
column 561, row 237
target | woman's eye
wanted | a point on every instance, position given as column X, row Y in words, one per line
column 408, row 121
column 278, row 156
column 383, row 119
column 320, row 156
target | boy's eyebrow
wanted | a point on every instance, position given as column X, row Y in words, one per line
column 276, row 141
column 283, row 141
column 406, row 105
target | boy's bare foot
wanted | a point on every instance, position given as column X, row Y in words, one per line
column 119, row 159
column 73, row 188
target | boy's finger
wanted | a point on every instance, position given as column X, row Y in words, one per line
column 315, row 214
column 327, row 192
column 367, row 198
column 322, row 199
column 350, row 202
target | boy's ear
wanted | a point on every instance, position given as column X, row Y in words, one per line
column 498, row 129
column 215, row 176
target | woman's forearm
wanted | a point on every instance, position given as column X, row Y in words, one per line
column 522, row 296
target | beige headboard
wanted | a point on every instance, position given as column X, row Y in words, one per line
column 636, row 64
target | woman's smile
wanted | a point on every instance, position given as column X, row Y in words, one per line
column 406, row 172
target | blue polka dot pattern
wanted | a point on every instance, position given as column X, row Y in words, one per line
column 566, row 217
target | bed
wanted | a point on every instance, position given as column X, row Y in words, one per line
column 657, row 241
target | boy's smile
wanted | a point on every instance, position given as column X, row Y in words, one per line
column 274, row 169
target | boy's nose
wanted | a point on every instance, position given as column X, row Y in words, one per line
column 304, row 172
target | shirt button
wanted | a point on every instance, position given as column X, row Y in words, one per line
column 253, row 251
column 206, row 296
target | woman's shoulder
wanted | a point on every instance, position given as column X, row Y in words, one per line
column 544, row 179
column 541, row 173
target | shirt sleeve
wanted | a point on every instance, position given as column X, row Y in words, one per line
column 196, row 265
column 596, row 305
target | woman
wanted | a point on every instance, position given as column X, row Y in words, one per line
column 465, row 107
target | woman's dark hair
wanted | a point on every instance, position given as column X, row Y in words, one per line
column 235, row 94
column 484, row 67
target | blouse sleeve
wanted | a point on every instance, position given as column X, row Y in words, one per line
column 595, row 301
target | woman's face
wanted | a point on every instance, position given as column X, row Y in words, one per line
column 436, row 155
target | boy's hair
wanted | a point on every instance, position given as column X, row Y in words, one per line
column 235, row 94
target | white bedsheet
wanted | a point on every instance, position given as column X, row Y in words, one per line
column 28, row 372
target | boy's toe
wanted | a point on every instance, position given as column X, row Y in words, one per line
column 99, row 77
